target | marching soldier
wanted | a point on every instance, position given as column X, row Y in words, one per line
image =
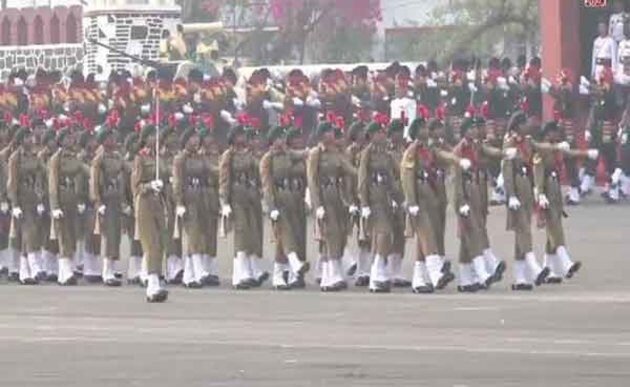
column 24, row 191
column 49, row 247
column 377, row 180
column 397, row 149
column 191, row 176
column 88, row 247
column 64, row 171
column 470, row 203
column 134, row 268
column 327, row 169
column 283, row 200
column 211, row 153
column 356, row 137
column 240, row 201
column 547, row 167
column 107, row 193
column 11, row 253
column 418, row 174
column 150, row 212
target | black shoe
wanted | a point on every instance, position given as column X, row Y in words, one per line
column 4, row 271
column 193, row 285
column 553, row 280
column 177, row 280
column 426, row 289
column 381, row 287
column 133, row 281
column 92, row 279
column 112, row 283
column 574, row 269
column 212, row 280
column 305, row 268
column 498, row 272
column 160, row 296
column 339, row 286
column 29, row 281
column 299, row 283
column 282, row 287
column 14, row 277
column 318, row 281
column 401, row 283
column 118, row 275
column 351, row 270
column 541, row 277
column 256, row 283
column 445, row 280
column 51, row 278
column 244, row 285
column 41, row 276
column 446, row 267
column 474, row 288
column 78, row 274
column 522, row 287
column 362, row 281
column 72, row 281
column 571, row 202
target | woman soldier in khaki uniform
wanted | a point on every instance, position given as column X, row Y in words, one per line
column 363, row 260
column 283, row 201
column 470, row 208
column 107, row 192
column 170, row 145
column 397, row 149
column 134, row 268
column 240, row 200
column 150, row 212
column 191, row 176
column 6, row 254
column 49, row 247
column 518, row 176
column 327, row 170
column 547, row 167
column 64, row 170
column 25, row 175
column 257, row 146
column 418, row 174
column 295, row 143
column 211, row 153
column 88, row 246
column 12, row 255
column 377, row 179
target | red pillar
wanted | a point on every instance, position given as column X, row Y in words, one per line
column 560, row 33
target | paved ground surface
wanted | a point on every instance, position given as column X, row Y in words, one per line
column 577, row 334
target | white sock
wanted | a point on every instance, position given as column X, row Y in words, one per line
column 278, row 274
column 153, row 284
column 25, row 269
column 254, row 264
column 491, row 260
column 34, row 264
column 365, row 262
column 533, row 267
column 199, row 268
column 479, row 267
column 189, row 270
column 65, row 270
column 394, row 266
column 419, row 275
column 108, row 269
column 520, row 272
column 466, row 274
column 434, row 267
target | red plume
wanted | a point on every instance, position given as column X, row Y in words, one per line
column 139, row 125
column 243, row 119
column 382, row 119
column 440, row 113
column 255, row 122
column 606, row 76
column 208, row 121
column 286, row 119
column 113, row 119
column 471, row 111
column 423, row 111
column 340, row 122
column 485, row 110
column 172, row 122
column 557, row 115
column 525, row 105
column 8, row 117
column 330, row 117
column 25, row 121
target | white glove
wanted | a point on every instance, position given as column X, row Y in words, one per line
column 543, row 202
column 510, row 153
column 502, row 83
column 157, row 185
column 366, row 212
column 545, row 85
column 17, row 212
column 593, row 154
column 587, row 135
column 514, row 203
column 464, row 210
column 616, row 176
column 584, row 82
column 307, row 199
column 512, row 80
column 81, row 208
column 472, row 87
column 431, row 84
column 274, row 215
column 313, row 102
column 226, row 210
column 584, row 90
column 563, row 146
column 57, row 214
column 414, row 210
column 353, row 210
column 102, row 109
column 178, row 116
column 227, row 117
column 180, row 211
column 471, row 75
column 443, row 93
column 298, row 102
column 101, row 209
column 40, row 209
column 187, row 109
column 624, row 138
column 4, row 207
column 267, row 105
column 465, row 164
column 126, row 210
column 394, row 204
column 320, row 212
column 145, row 109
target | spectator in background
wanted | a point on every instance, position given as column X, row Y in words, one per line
column 617, row 21
column 604, row 51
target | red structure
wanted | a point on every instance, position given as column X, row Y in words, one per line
column 41, row 25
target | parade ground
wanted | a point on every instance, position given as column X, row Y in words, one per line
column 576, row 334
